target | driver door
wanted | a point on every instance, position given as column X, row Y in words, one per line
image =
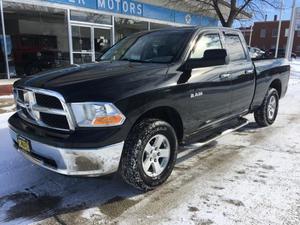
column 209, row 86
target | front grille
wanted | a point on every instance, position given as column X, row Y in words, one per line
column 21, row 96
column 48, row 101
column 55, row 120
column 44, row 108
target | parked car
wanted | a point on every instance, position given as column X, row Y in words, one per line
column 152, row 92
column 281, row 53
column 255, row 52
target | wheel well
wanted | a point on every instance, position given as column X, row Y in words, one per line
column 276, row 84
column 167, row 114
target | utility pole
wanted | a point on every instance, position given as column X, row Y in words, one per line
column 290, row 40
column 250, row 38
column 279, row 29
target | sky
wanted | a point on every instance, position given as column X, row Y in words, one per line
column 286, row 14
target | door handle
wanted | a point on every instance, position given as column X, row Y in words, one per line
column 225, row 76
column 247, row 72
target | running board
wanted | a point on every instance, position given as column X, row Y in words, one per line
column 197, row 145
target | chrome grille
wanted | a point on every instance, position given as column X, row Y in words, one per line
column 48, row 101
column 44, row 108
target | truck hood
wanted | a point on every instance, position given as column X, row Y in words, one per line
column 104, row 81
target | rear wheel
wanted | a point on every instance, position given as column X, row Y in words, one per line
column 149, row 154
column 266, row 114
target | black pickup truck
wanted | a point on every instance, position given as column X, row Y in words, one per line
column 150, row 93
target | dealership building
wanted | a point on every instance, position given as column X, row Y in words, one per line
column 40, row 35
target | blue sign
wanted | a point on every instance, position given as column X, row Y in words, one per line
column 128, row 7
column 134, row 8
column 159, row 13
column 81, row 3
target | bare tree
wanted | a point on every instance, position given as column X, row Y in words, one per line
column 237, row 8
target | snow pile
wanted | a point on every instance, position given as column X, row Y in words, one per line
column 295, row 72
column 295, row 67
column 6, row 97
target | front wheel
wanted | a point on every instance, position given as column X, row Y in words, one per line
column 149, row 154
column 266, row 114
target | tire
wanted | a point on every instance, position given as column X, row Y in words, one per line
column 262, row 115
column 136, row 154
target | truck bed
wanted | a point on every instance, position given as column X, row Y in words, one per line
column 266, row 71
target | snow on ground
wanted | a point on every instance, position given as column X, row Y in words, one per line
column 295, row 72
column 248, row 177
column 7, row 104
column 6, row 96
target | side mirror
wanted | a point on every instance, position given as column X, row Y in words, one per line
column 211, row 57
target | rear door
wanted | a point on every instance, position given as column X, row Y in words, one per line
column 241, row 71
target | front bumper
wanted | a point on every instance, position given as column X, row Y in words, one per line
column 77, row 162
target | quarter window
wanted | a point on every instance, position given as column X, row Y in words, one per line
column 208, row 41
column 234, row 47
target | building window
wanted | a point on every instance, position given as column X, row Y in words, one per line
column 90, row 17
column 274, row 32
column 263, row 33
column 125, row 27
column 286, row 32
column 154, row 26
column 37, row 38
column 298, row 33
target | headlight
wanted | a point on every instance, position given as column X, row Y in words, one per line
column 97, row 114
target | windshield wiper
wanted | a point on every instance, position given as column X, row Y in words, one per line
column 134, row 60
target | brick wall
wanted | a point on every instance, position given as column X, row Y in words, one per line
column 269, row 41
column 6, row 86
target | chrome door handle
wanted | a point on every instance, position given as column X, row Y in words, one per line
column 225, row 76
column 249, row 72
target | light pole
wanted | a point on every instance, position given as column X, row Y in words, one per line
column 250, row 38
column 290, row 40
column 279, row 29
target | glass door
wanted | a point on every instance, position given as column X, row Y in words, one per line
column 102, row 41
column 82, row 44
column 89, row 43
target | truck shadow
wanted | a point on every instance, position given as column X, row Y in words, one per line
column 249, row 127
column 30, row 193
column 108, row 194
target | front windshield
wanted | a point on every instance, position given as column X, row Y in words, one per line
column 155, row 47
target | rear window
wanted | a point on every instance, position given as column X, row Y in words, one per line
column 234, row 47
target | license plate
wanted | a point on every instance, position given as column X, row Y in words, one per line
column 24, row 144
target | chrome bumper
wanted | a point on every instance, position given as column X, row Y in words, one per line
column 77, row 162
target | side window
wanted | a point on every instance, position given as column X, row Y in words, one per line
column 234, row 47
column 208, row 41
